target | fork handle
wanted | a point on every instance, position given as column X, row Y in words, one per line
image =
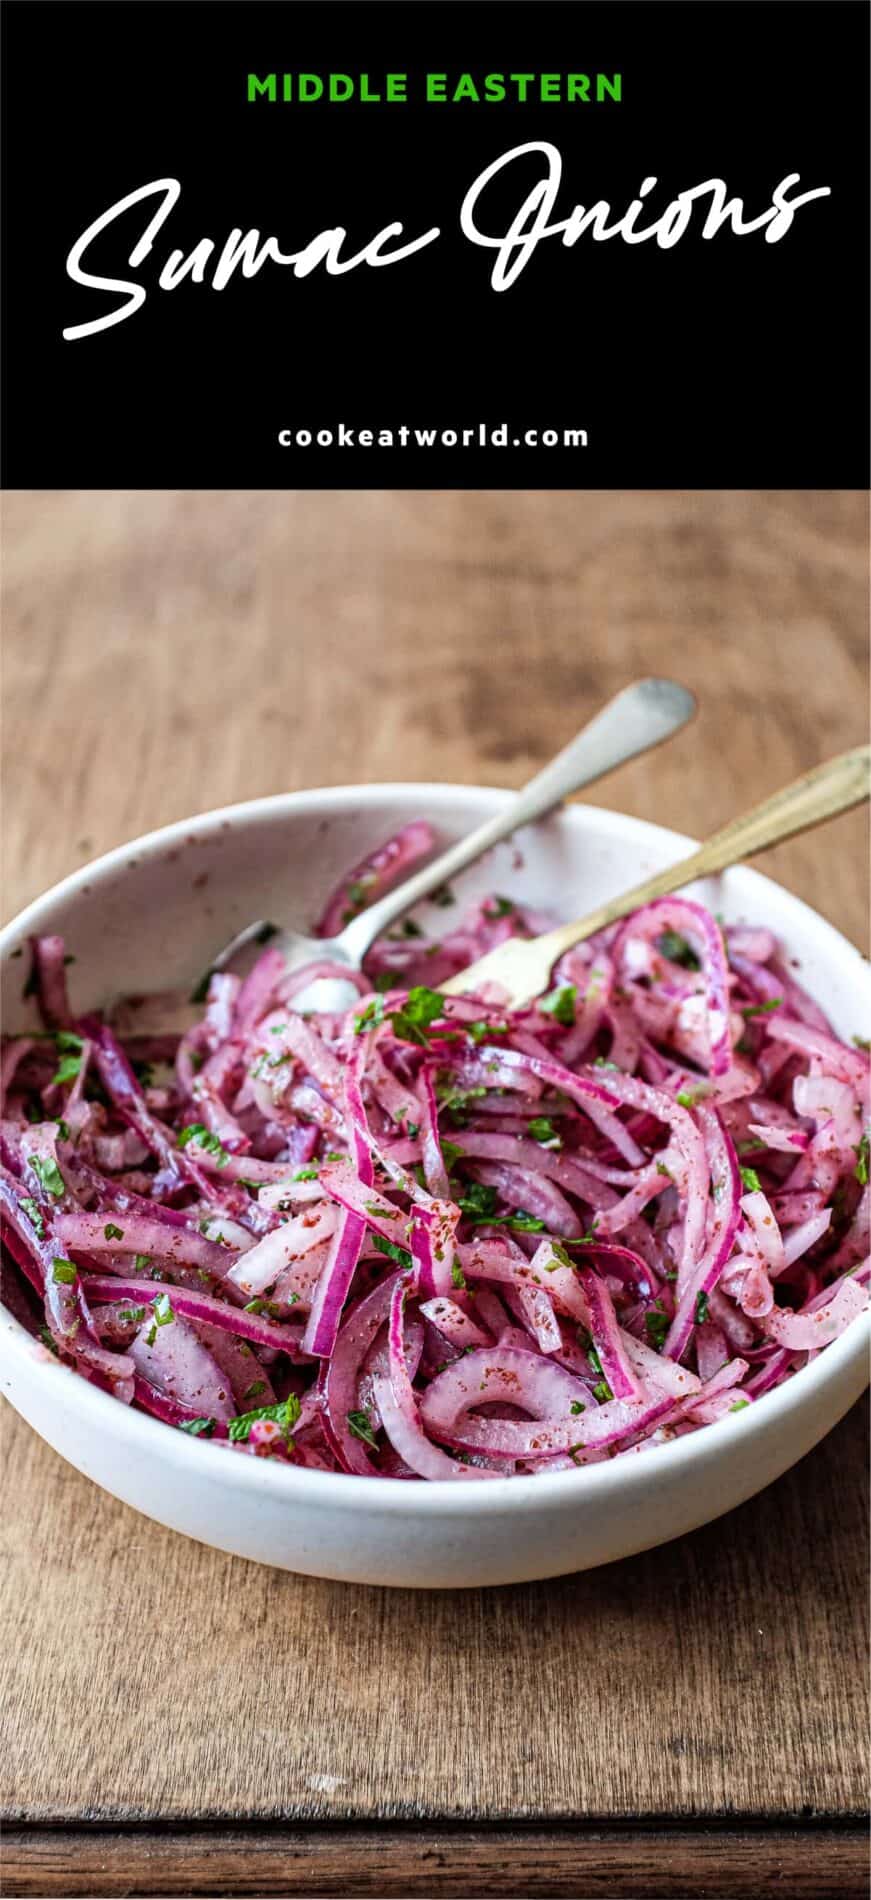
column 640, row 716
column 820, row 794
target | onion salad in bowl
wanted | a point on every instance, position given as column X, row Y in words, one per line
column 431, row 1237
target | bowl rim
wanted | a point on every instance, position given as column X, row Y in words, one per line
column 141, row 1431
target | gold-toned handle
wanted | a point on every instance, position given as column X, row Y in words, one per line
column 820, row 794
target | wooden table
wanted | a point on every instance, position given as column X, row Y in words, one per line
column 181, row 1722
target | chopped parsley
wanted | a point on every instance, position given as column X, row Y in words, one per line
column 861, row 1168
column 385, row 980
column 602, row 1391
column 499, row 907
column 576, row 1407
column 30, row 1208
column 360, row 1426
column 306, row 1174
column 543, row 1131
column 478, row 1203
column 49, row 1175
column 111, row 1232
column 46, row 1337
column 443, row 897
column 480, row 1031
column 701, row 1308
column 388, row 1247
column 677, row 950
column 763, row 1009
column 750, row 1180
column 141, row 1262
column 739, row 1405
column 421, row 1008
column 268, row 1307
column 255, row 1390
column 63, row 1272
column 656, row 1325
column 662, row 1169
column 370, row 1017
column 198, row 1427
column 162, row 1310
column 67, row 1043
column 457, row 1275
column 132, row 1315
column 204, row 1139
column 689, row 1097
column 450, row 1154
column 67, row 1070
column 285, row 1413
column 560, row 1004
column 357, row 895
column 455, row 1101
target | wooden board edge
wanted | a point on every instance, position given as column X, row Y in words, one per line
column 428, row 1863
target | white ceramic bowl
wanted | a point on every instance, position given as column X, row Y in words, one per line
column 151, row 915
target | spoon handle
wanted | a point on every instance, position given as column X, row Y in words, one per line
column 524, row 967
column 640, row 716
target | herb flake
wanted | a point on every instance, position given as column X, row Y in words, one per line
column 359, row 1425
column 285, row 1413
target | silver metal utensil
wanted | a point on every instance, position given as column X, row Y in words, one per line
column 522, row 967
column 640, row 716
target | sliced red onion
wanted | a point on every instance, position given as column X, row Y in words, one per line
column 458, row 1327
column 257, row 1270
column 800, row 1239
column 807, row 1332
column 323, row 1187
column 139, row 1233
column 695, row 923
column 374, row 875
column 398, row 1408
column 196, row 1306
column 49, row 969
column 606, row 1336
column 723, row 1224
column 340, row 1375
column 846, row 1065
column 177, row 1365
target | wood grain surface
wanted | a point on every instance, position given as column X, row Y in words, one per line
column 164, row 653
column 556, row 1863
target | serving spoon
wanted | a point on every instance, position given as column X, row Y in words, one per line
column 522, row 966
column 640, row 716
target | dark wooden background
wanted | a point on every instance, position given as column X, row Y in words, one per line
column 181, row 1722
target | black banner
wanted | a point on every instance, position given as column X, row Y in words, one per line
column 272, row 243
